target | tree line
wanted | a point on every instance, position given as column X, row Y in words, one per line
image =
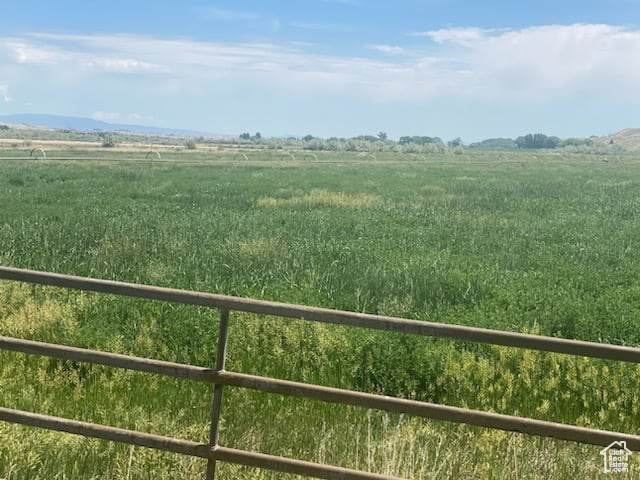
column 526, row 142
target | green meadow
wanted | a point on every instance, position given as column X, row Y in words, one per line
column 538, row 243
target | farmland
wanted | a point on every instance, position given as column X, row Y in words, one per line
column 529, row 242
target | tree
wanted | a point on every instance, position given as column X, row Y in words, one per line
column 495, row 144
column 307, row 138
column 552, row 142
column 525, row 141
column 419, row 140
column 109, row 142
column 537, row 140
column 383, row 137
column 257, row 136
column 366, row 138
column 456, row 142
column 245, row 136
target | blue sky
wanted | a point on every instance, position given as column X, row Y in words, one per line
column 473, row 69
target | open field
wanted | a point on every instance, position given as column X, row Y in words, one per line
column 528, row 242
column 247, row 154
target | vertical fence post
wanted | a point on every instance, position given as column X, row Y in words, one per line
column 216, row 404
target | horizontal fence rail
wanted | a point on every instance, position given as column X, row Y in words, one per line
column 326, row 394
column 186, row 447
column 221, row 378
column 325, row 315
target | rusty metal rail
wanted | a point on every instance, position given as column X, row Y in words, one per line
column 325, row 315
column 186, row 447
column 220, row 378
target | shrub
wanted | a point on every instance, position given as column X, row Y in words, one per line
column 495, row 144
column 419, row 140
column 190, row 145
column 109, row 142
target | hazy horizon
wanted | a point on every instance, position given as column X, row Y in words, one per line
column 328, row 67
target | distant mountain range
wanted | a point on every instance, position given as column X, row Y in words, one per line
column 59, row 122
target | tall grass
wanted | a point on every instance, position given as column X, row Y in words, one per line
column 547, row 248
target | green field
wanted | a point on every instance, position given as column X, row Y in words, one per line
column 540, row 243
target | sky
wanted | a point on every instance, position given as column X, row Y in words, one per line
column 473, row 69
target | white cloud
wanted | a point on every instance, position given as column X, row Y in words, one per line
column 462, row 36
column 590, row 58
column 122, row 117
column 124, row 65
column 187, row 59
column 25, row 51
column 388, row 49
column 44, row 49
column 529, row 63
column 568, row 59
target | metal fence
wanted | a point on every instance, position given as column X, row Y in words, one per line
column 221, row 378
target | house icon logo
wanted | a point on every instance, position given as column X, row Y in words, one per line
column 616, row 457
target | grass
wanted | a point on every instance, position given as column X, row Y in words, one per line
column 545, row 245
column 322, row 198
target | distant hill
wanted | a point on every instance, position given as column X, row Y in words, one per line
column 628, row 138
column 59, row 122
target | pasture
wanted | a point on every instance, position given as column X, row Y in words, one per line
column 539, row 243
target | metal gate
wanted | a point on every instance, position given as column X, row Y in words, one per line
column 221, row 378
